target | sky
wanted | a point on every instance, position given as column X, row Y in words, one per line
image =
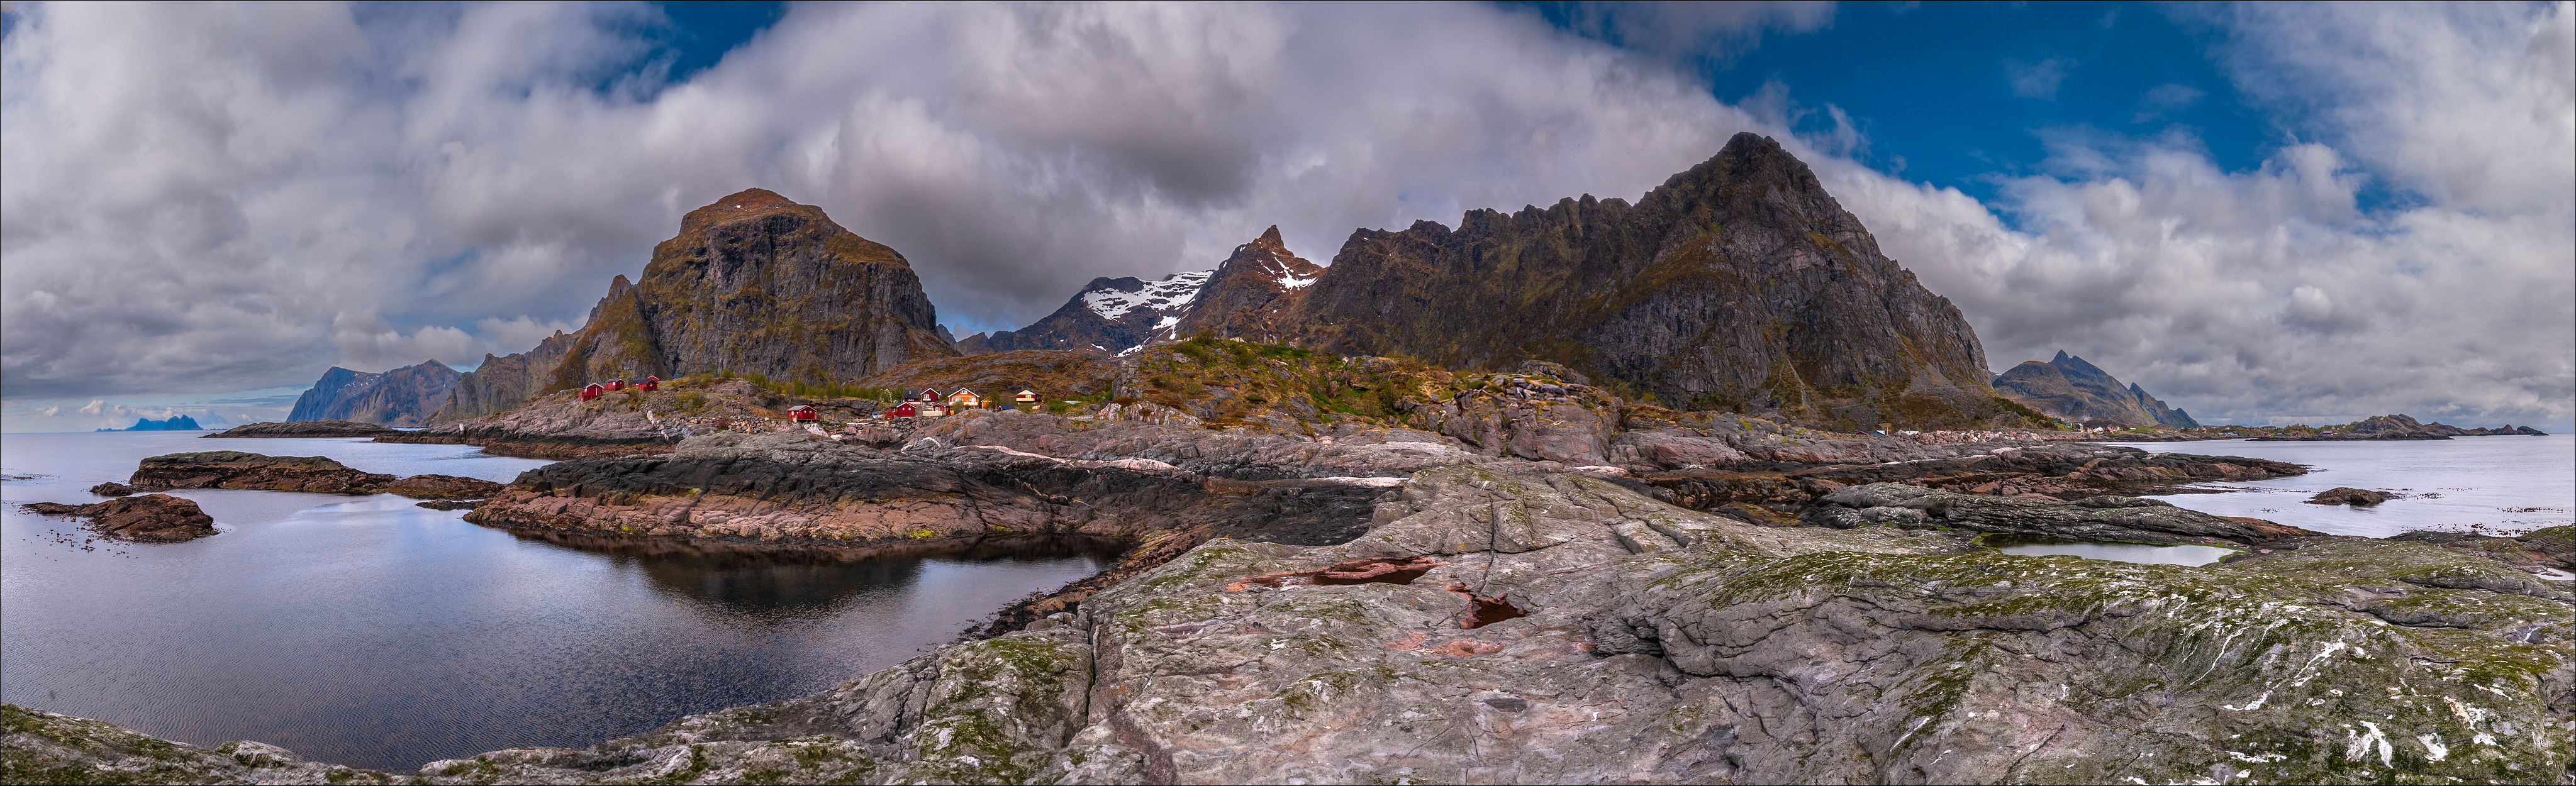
column 2260, row 213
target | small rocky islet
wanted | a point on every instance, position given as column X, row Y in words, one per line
column 161, row 518
column 1380, row 542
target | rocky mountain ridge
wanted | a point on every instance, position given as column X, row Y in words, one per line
column 2389, row 427
column 2068, row 387
column 1738, row 285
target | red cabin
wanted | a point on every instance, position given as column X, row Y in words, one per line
column 649, row 383
column 616, row 385
column 904, row 411
column 927, row 394
column 802, row 412
column 592, row 391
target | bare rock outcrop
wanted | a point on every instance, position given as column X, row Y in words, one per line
column 442, row 487
column 2346, row 495
column 232, row 469
column 2101, row 518
column 151, row 518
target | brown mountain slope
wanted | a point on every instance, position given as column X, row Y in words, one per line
column 1737, row 285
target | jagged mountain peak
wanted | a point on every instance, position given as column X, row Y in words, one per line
column 1249, row 292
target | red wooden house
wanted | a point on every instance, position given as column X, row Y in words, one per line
column 802, row 412
column 615, row 385
column 649, row 383
column 592, row 391
column 904, row 410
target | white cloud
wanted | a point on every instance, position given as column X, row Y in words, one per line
column 2036, row 80
column 219, row 197
column 2165, row 98
column 2245, row 295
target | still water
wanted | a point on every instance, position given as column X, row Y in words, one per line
column 2505, row 484
column 371, row 632
column 2116, row 552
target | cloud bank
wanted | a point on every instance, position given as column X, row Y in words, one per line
column 215, row 198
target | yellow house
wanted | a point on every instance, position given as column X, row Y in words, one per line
column 964, row 398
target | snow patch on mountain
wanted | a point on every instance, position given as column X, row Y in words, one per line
column 1169, row 295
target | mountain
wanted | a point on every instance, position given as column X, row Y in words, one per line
column 2070, row 388
column 504, row 382
column 757, row 284
column 1737, row 285
column 1111, row 316
column 754, row 284
column 1247, row 295
column 402, row 397
column 175, row 423
column 326, row 391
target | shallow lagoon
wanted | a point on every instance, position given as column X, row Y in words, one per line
column 371, row 632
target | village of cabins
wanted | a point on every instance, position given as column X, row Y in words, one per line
column 927, row 402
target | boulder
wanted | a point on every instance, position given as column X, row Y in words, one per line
column 111, row 489
column 2341, row 495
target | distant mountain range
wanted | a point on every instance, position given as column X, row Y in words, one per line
column 2067, row 387
column 175, row 423
column 402, row 397
column 1737, row 285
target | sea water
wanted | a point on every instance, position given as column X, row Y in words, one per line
column 2503, row 484
column 371, row 632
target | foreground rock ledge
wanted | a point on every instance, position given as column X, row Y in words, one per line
column 1658, row 645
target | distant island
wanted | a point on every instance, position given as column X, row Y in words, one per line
column 175, row 423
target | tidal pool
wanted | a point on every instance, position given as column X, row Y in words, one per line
column 2143, row 553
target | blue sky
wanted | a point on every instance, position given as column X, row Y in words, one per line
column 2224, row 203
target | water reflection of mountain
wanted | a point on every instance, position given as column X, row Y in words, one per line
column 761, row 578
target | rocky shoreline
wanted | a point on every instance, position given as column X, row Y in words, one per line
column 1559, row 627
column 1731, row 601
